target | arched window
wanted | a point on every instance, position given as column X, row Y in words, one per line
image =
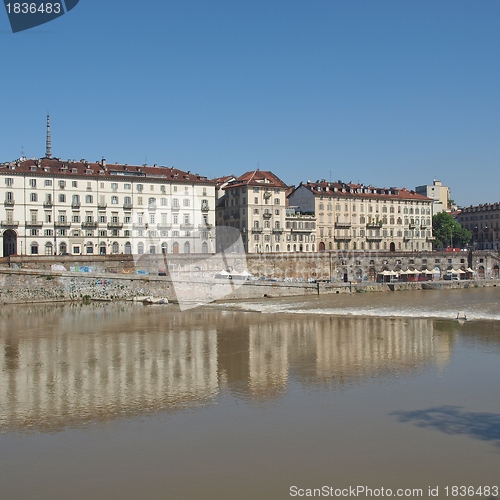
column 152, row 249
column 116, row 247
column 48, row 248
column 175, row 247
column 89, row 247
column 34, row 248
column 164, row 248
column 187, row 247
column 267, row 248
column 63, row 248
column 102, row 248
column 277, row 248
column 140, row 248
column 128, row 248
column 288, row 247
column 480, row 272
column 204, row 247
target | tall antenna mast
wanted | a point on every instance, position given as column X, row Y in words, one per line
column 48, row 150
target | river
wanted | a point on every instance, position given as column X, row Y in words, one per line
column 251, row 400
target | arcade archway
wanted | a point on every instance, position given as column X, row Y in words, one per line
column 9, row 243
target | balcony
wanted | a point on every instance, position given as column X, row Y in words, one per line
column 374, row 238
column 89, row 225
column 152, row 206
column 374, row 224
column 76, row 205
column 344, row 237
column 175, row 208
column 9, row 203
column 10, row 223
column 257, row 229
column 204, row 207
column 165, row 226
column 103, row 206
column 411, row 225
column 278, row 230
column 187, row 226
column 267, row 215
column 301, row 230
column 205, row 227
column 342, row 225
column 115, row 225
column 141, row 225
column 430, row 238
column 33, row 224
column 423, row 225
column 62, row 224
column 127, row 206
column 48, row 204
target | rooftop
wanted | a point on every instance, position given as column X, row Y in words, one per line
column 83, row 168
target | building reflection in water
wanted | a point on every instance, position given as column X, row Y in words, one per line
column 63, row 366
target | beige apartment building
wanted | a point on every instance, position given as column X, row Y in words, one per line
column 438, row 193
column 255, row 204
column 359, row 217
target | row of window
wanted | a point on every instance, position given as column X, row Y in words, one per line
column 103, row 248
column 289, row 237
column 392, row 220
column 116, row 232
column 33, row 183
column 373, row 246
column 289, row 248
column 376, row 233
column 127, row 200
column 406, row 210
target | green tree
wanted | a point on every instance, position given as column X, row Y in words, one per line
column 448, row 232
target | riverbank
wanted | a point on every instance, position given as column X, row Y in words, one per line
column 23, row 286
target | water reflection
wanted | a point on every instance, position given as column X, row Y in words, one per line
column 454, row 420
column 68, row 365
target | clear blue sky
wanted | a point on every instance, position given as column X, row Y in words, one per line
column 393, row 93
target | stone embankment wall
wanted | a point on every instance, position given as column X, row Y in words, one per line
column 25, row 286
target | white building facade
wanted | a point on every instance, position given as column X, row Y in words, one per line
column 51, row 206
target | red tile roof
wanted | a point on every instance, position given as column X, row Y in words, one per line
column 324, row 188
column 82, row 168
column 257, row 178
